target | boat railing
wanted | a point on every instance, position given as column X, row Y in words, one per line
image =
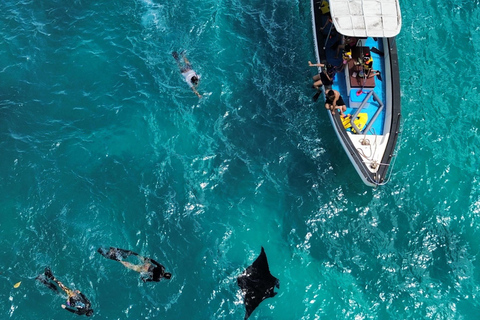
column 375, row 116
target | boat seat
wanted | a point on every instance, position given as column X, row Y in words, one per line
column 355, row 80
column 354, row 70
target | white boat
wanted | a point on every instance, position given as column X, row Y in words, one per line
column 370, row 135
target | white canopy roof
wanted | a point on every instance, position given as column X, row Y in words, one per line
column 366, row 18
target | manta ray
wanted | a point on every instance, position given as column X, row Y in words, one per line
column 257, row 283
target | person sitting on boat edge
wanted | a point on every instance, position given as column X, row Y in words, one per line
column 333, row 101
column 324, row 78
column 191, row 77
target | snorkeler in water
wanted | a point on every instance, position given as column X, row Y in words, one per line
column 191, row 77
column 149, row 269
column 76, row 301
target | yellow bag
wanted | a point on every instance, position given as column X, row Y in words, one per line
column 360, row 122
column 325, row 7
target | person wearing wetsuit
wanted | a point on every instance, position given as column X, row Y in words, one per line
column 149, row 269
column 190, row 76
column 325, row 78
column 334, row 101
column 76, row 301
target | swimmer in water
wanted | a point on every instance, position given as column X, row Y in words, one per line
column 76, row 301
column 149, row 269
column 191, row 77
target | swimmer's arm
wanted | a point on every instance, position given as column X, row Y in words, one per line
column 196, row 92
column 155, row 263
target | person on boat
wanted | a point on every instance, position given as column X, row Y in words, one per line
column 324, row 78
column 190, row 76
column 76, row 301
column 149, row 269
column 346, row 56
column 327, row 21
column 334, row 38
column 334, row 101
column 348, row 43
column 368, row 67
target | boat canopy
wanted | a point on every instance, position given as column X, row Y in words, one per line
column 366, row 18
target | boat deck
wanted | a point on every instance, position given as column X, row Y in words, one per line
column 354, row 95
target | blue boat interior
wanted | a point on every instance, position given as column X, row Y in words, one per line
column 354, row 96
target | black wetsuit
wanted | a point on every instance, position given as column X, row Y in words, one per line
column 325, row 80
column 155, row 272
column 78, row 304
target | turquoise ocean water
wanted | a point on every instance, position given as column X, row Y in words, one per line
column 103, row 144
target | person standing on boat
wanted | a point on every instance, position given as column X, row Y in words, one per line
column 324, row 78
column 334, row 101
column 191, row 77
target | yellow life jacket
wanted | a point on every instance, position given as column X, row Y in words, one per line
column 347, row 55
column 366, row 63
column 325, row 7
column 360, row 122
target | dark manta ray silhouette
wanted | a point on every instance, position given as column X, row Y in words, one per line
column 257, row 283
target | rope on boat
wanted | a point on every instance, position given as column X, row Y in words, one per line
column 366, row 142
